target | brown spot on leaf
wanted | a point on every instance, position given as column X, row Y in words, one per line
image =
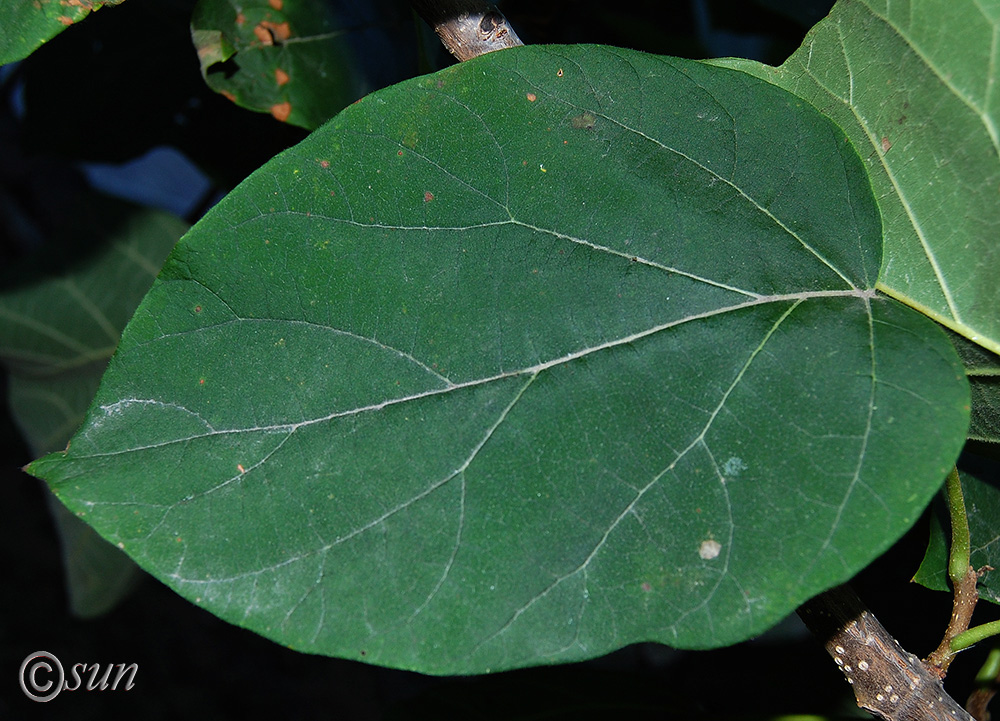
column 584, row 121
column 324, row 163
column 532, row 97
column 276, row 4
column 280, row 77
column 240, row 18
column 428, row 196
column 65, row 20
column 228, row 95
column 886, row 145
column 269, row 33
column 263, row 35
column 281, row 31
column 281, row 111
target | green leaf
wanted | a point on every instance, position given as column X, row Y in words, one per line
column 911, row 84
column 56, row 336
column 982, row 505
column 58, row 332
column 27, row 24
column 290, row 58
column 547, row 353
column 983, row 370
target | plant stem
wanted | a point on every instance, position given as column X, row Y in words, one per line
column 958, row 558
column 988, row 681
column 887, row 681
column 974, row 635
column 963, row 578
column 468, row 28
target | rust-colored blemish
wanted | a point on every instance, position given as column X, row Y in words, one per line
column 324, row 163
column 281, row 111
column 228, row 95
column 532, row 97
column 263, row 35
column 67, row 21
column 240, row 19
column 276, row 4
column 270, row 33
column 886, row 145
column 559, row 73
column 428, row 196
column 280, row 77
column 282, row 31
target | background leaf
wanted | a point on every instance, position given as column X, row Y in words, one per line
column 983, row 370
column 56, row 336
column 169, row 103
column 911, row 83
column 544, row 354
column 296, row 59
column 26, row 24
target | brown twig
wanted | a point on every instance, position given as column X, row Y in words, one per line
column 468, row 28
column 887, row 681
column 966, row 596
column 988, row 680
column 978, row 703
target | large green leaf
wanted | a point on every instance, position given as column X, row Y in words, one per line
column 549, row 352
column 27, row 24
column 911, row 84
column 56, row 336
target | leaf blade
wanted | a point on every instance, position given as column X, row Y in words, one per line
column 543, row 348
column 26, row 25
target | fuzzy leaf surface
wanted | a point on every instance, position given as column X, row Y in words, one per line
column 913, row 85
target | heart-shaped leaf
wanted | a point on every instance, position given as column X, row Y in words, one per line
column 550, row 352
